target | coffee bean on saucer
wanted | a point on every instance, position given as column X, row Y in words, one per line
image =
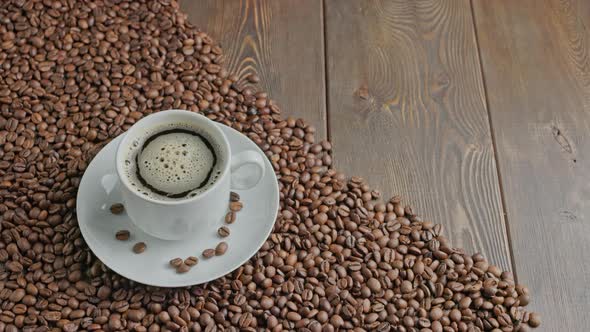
column 117, row 208
column 208, row 253
column 221, row 248
column 191, row 261
column 139, row 247
column 223, row 231
column 122, row 235
column 234, row 197
column 230, row 217
column 176, row 262
column 183, row 268
column 235, row 206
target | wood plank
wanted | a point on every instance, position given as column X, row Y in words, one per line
column 280, row 41
column 408, row 113
column 537, row 72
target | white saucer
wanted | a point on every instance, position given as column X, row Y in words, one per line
column 253, row 225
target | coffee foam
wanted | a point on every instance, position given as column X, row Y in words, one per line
column 173, row 163
column 176, row 162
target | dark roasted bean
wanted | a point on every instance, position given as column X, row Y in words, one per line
column 117, row 208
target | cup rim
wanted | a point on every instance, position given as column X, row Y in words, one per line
column 197, row 117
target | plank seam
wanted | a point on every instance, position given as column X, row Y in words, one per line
column 326, row 83
column 494, row 145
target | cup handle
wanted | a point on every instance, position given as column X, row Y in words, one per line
column 247, row 181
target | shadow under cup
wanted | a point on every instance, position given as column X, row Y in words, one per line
column 178, row 218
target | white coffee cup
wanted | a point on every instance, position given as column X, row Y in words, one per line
column 180, row 218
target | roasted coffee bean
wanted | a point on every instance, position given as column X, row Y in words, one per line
column 235, row 206
column 76, row 74
column 253, row 78
column 221, row 248
column 183, row 268
column 117, row 208
column 208, row 253
column 374, row 285
column 230, row 217
column 139, row 247
column 191, row 261
column 223, row 231
column 175, row 262
column 534, row 319
column 455, row 315
column 436, row 313
column 122, row 235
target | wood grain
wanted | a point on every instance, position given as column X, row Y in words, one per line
column 280, row 41
column 536, row 64
column 407, row 112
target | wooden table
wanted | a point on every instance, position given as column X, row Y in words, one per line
column 478, row 113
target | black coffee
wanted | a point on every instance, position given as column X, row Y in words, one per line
column 173, row 164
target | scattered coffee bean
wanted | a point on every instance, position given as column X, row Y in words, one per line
column 122, row 235
column 534, row 319
column 253, row 78
column 175, row 262
column 117, row 208
column 223, row 231
column 221, row 248
column 235, row 206
column 230, row 217
column 208, row 253
column 139, row 247
column 183, row 268
column 191, row 261
column 234, row 197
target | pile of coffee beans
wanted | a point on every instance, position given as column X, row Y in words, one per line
column 75, row 74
